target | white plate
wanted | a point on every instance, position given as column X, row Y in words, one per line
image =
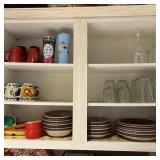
column 137, row 138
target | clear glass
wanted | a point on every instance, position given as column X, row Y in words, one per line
column 151, row 55
column 109, row 95
column 123, row 92
column 142, row 90
column 109, row 92
column 140, row 55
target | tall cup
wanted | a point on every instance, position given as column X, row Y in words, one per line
column 63, row 47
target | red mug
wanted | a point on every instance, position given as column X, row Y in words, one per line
column 14, row 54
column 33, row 54
column 33, row 129
column 24, row 50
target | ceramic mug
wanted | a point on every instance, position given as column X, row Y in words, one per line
column 15, row 54
column 12, row 91
column 33, row 54
column 33, row 129
column 29, row 92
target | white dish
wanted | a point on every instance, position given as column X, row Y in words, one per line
column 58, row 133
column 137, row 138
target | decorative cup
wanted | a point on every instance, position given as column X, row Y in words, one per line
column 29, row 92
column 63, row 47
column 12, row 91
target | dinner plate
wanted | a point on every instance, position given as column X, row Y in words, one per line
column 136, row 133
column 98, row 129
column 139, row 130
column 135, row 122
column 97, row 120
column 137, row 138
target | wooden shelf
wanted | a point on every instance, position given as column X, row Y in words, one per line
column 128, row 67
column 101, row 104
column 53, row 67
column 113, row 143
column 39, row 103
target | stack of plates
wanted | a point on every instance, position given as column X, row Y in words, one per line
column 137, row 129
column 57, row 123
column 98, row 127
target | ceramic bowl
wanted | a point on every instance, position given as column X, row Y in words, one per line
column 58, row 114
column 99, row 132
column 64, row 121
column 58, row 133
column 57, row 126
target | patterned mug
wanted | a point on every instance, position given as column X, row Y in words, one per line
column 12, row 91
column 29, row 92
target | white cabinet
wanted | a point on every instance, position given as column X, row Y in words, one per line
column 103, row 41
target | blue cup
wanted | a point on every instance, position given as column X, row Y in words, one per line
column 63, row 47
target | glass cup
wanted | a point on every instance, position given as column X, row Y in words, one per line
column 123, row 93
column 109, row 93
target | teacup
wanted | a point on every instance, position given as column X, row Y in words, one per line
column 29, row 92
column 12, row 91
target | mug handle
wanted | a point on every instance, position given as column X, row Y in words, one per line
column 19, row 93
column 6, row 56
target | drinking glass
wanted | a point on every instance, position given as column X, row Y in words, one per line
column 140, row 55
column 123, row 93
column 142, row 90
column 109, row 93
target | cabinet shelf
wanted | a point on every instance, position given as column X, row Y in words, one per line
column 128, row 67
column 101, row 104
column 39, row 103
column 54, row 67
column 113, row 143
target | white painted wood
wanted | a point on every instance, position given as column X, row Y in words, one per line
column 30, row 29
column 121, row 104
column 122, row 27
column 130, row 67
column 80, row 12
column 80, row 82
column 42, row 67
column 38, row 103
column 109, row 144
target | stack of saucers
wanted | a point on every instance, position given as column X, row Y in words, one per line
column 57, row 123
column 98, row 127
column 136, row 129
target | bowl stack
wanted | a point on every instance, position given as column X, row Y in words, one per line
column 136, row 129
column 98, row 127
column 57, row 123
